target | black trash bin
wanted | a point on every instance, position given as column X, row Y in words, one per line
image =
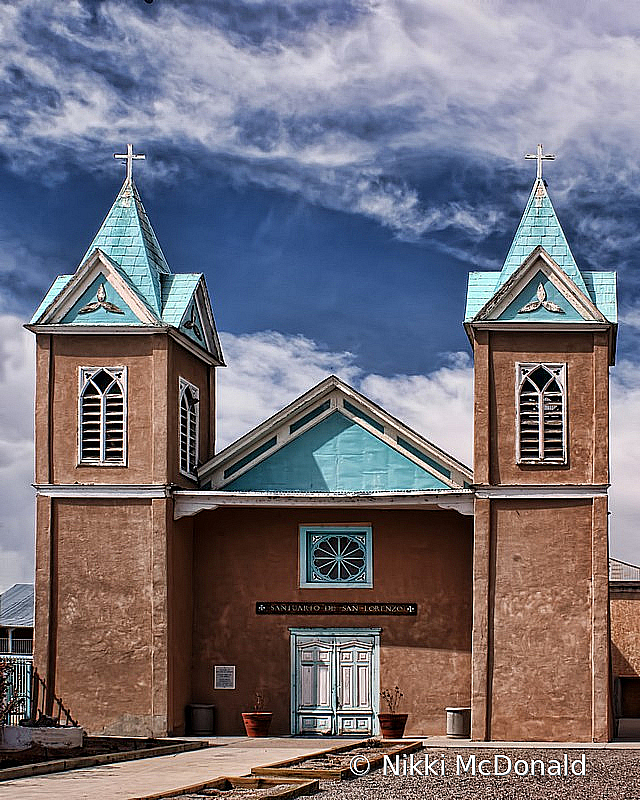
column 200, row 719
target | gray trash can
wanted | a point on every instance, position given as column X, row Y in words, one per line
column 200, row 719
column 458, row 723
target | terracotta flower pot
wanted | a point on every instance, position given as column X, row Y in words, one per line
column 257, row 723
column 392, row 725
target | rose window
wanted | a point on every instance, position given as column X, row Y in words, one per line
column 338, row 557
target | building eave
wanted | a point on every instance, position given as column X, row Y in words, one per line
column 548, row 327
column 119, row 330
column 188, row 503
column 103, row 491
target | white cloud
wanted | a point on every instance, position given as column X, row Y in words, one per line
column 438, row 405
column 625, row 446
column 267, row 371
column 16, row 452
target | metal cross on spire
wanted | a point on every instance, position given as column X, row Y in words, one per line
column 540, row 156
column 129, row 157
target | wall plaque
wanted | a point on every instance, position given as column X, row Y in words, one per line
column 364, row 609
column 224, row 677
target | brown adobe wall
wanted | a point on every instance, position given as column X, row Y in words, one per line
column 540, row 665
column 587, row 359
column 625, row 633
column 180, row 605
column 154, row 364
column 245, row 555
column 146, row 360
column 109, row 632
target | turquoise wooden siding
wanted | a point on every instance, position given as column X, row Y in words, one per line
column 601, row 290
column 100, row 317
column 528, row 294
column 336, row 455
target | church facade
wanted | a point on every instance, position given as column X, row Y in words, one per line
column 331, row 552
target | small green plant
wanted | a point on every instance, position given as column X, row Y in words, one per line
column 9, row 701
column 392, row 698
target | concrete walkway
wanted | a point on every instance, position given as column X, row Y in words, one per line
column 233, row 756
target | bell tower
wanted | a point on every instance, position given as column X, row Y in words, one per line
column 543, row 334
column 125, row 410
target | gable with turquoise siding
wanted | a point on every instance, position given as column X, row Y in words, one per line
column 336, row 455
column 541, row 314
column 601, row 290
column 100, row 316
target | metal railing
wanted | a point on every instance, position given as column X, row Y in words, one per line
column 44, row 703
column 16, row 647
column 36, row 701
column 20, row 687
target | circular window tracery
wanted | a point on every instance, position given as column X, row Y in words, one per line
column 338, row 557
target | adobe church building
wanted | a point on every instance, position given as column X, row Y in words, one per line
column 332, row 551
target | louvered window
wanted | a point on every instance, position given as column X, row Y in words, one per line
column 103, row 415
column 542, row 411
column 189, row 405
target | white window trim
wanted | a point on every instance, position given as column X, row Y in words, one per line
column 561, row 378
column 183, row 386
column 83, row 374
column 306, row 530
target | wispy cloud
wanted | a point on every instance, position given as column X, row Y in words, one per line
column 350, row 104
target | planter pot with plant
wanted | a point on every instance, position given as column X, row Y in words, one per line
column 258, row 721
column 392, row 723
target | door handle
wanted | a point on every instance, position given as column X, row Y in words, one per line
column 339, row 696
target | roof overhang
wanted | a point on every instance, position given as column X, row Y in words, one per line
column 120, row 330
column 188, row 503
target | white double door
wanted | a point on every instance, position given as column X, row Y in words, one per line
column 335, row 675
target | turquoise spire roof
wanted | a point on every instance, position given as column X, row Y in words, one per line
column 127, row 237
column 540, row 226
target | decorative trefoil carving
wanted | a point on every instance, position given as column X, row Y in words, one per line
column 541, row 302
column 101, row 302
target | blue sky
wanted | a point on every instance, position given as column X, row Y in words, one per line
column 336, row 169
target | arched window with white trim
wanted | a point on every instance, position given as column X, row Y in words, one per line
column 189, row 428
column 541, row 413
column 102, row 415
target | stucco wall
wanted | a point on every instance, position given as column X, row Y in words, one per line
column 586, row 356
column 625, row 633
column 180, row 603
column 245, row 555
column 154, row 365
column 104, row 632
column 145, row 359
column 540, row 624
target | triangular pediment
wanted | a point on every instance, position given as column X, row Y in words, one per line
column 539, row 291
column 100, row 304
column 333, row 439
column 97, row 294
column 198, row 321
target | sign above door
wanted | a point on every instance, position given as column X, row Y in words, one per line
column 362, row 609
